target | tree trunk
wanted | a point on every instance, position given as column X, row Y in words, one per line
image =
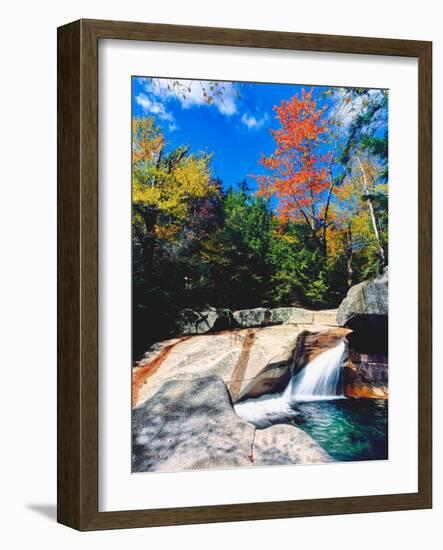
column 325, row 217
column 381, row 252
column 349, row 256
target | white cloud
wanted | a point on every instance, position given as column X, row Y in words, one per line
column 191, row 93
column 253, row 123
column 152, row 106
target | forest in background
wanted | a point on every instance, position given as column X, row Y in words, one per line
column 311, row 222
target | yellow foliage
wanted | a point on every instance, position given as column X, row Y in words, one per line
column 147, row 140
column 169, row 191
column 349, row 215
column 166, row 181
column 167, row 232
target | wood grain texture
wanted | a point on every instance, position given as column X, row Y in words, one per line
column 425, row 273
column 254, row 38
column 68, row 275
column 77, row 174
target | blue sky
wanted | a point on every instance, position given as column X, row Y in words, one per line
column 236, row 129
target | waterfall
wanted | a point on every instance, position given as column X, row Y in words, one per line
column 318, row 380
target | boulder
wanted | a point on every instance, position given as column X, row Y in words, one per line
column 365, row 311
column 257, row 317
column 187, row 425
column 211, row 319
column 286, row 444
column 366, row 298
column 291, row 315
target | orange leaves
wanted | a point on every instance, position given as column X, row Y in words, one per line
column 300, row 121
column 298, row 166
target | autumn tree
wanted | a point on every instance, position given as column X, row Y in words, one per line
column 164, row 184
column 300, row 175
column 360, row 218
column 363, row 156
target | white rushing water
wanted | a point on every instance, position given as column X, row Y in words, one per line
column 319, row 380
column 265, row 410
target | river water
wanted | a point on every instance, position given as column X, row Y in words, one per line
column 349, row 429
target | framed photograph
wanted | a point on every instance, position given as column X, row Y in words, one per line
column 244, row 275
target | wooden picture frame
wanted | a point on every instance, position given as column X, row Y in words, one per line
column 78, row 274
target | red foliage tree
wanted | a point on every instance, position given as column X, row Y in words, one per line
column 300, row 177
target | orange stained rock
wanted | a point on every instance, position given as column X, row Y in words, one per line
column 371, row 392
column 141, row 374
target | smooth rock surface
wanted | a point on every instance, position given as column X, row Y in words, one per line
column 190, row 424
column 284, row 444
column 326, row 317
column 237, row 357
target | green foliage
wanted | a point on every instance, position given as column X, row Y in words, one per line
column 301, row 275
column 236, row 254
